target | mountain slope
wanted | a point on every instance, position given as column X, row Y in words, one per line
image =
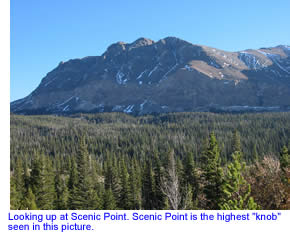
column 168, row 75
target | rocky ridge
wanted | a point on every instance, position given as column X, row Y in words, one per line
column 165, row 76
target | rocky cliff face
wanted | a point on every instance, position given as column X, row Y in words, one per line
column 169, row 75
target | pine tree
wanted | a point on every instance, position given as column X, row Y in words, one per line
column 236, row 142
column 97, row 189
column 14, row 196
column 189, row 203
column 62, row 194
column 72, row 184
column 255, row 154
column 124, row 201
column 213, row 174
column 284, row 165
column 109, row 200
column 284, row 159
column 190, row 176
column 158, row 175
column 29, row 201
column 148, row 188
column 85, row 196
column 236, row 190
column 135, row 202
column 111, row 176
column 17, row 186
column 42, row 182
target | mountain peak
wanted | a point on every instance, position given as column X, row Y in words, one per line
column 140, row 42
column 116, row 47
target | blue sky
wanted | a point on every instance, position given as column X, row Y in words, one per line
column 43, row 33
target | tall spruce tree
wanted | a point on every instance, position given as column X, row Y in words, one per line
column 85, row 196
column 111, row 176
column 236, row 143
column 135, row 195
column 124, row 200
column 109, row 202
column 191, row 178
column 62, row 194
column 14, row 196
column 72, row 184
column 148, row 188
column 213, row 174
column 29, row 201
column 42, row 182
column 17, row 186
column 158, row 175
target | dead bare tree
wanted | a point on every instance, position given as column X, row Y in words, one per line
column 170, row 183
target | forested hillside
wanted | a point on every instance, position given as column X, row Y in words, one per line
column 168, row 161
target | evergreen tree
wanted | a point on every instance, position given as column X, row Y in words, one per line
column 255, row 154
column 284, row 159
column 213, row 174
column 62, row 194
column 96, row 189
column 190, row 176
column 236, row 190
column 124, row 201
column 42, row 182
column 148, row 189
column 109, row 200
column 236, row 142
column 85, row 196
column 284, row 165
column 72, row 184
column 17, row 186
column 135, row 197
column 111, row 176
column 29, row 201
column 14, row 196
column 158, row 175
column 189, row 203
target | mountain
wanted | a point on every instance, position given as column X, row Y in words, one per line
column 169, row 75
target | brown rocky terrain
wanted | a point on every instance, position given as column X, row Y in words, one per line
column 168, row 75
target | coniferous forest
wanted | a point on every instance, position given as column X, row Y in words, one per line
column 168, row 161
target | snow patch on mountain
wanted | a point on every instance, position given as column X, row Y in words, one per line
column 117, row 108
column 212, row 63
column 101, row 107
column 66, row 108
column 141, row 74
column 120, row 78
column 275, row 59
column 250, row 60
column 153, row 70
column 188, row 68
column 142, row 105
column 129, row 109
column 164, row 107
column 47, row 83
column 66, row 101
